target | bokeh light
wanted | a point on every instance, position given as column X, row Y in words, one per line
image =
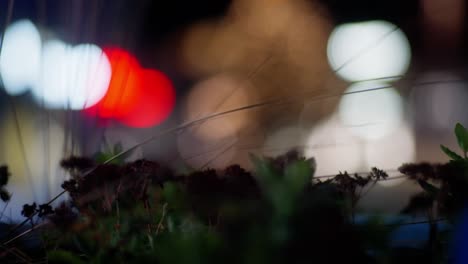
column 91, row 75
column 123, row 86
column 217, row 94
column 439, row 102
column 52, row 86
column 390, row 152
column 334, row 148
column 72, row 77
column 20, row 57
column 371, row 114
column 280, row 45
column 136, row 97
column 368, row 50
column 35, row 151
column 154, row 102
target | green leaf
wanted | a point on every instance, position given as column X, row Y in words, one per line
column 429, row 188
column 297, row 175
column 462, row 137
column 110, row 152
column 450, row 153
column 264, row 169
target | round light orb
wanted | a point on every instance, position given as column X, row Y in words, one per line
column 20, row 57
column 72, row 77
column 439, row 101
column 334, row 149
column 391, row 152
column 90, row 76
column 370, row 114
column 368, row 50
column 216, row 94
column 51, row 88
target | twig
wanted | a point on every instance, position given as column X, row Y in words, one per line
column 162, row 219
column 4, row 208
column 219, row 155
column 24, row 233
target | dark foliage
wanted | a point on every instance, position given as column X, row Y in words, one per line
column 4, row 176
column 142, row 212
column 29, row 210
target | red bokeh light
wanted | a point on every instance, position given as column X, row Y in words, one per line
column 136, row 97
column 155, row 100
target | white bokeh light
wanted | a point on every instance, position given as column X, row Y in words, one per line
column 90, row 75
column 72, row 77
column 368, row 50
column 438, row 101
column 51, row 88
column 33, row 156
column 391, row 152
column 334, row 149
column 371, row 114
column 20, row 57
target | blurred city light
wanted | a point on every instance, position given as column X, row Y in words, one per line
column 282, row 42
column 123, row 86
column 391, row 152
column 62, row 76
column 20, row 57
column 440, row 101
column 371, row 114
column 368, row 50
column 72, row 77
column 136, row 97
column 33, row 149
column 216, row 94
column 154, row 102
column 334, row 148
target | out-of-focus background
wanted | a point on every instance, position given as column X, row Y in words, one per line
column 355, row 84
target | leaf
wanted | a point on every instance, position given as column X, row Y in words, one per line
column 109, row 153
column 4, row 195
column 264, row 169
column 101, row 157
column 297, row 175
column 462, row 137
column 4, row 174
column 429, row 188
column 450, row 153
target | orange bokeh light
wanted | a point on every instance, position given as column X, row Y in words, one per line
column 136, row 97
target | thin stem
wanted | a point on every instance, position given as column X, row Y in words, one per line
column 160, row 225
